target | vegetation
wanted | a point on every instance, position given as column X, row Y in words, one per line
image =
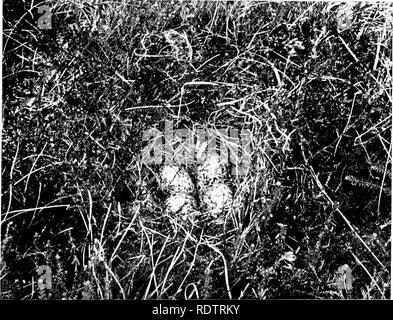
column 312, row 81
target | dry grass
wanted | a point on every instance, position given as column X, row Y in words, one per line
column 315, row 94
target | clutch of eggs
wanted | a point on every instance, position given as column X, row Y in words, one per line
column 215, row 196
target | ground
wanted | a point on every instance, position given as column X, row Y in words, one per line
column 312, row 81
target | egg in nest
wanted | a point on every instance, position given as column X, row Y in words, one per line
column 180, row 203
column 217, row 200
column 216, row 197
column 175, row 179
column 211, row 170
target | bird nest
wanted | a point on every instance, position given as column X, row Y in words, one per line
column 203, row 192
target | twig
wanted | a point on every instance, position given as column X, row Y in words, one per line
column 321, row 187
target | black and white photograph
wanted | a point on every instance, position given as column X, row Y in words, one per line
column 196, row 150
